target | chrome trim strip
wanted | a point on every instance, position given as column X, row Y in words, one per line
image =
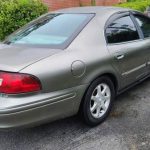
column 133, row 70
column 44, row 102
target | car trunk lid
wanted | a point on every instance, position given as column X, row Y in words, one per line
column 15, row 58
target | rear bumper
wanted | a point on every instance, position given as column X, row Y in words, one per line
column 41, row 108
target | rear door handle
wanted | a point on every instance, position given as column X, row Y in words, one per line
column 120, row 56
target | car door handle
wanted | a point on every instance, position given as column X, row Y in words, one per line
column 120, row 56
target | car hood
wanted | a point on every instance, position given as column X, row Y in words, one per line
column 15, row 58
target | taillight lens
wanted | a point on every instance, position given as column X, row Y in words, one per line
column 17, row 83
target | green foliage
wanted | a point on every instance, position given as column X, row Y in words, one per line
column 137, row 0
column 16, row 13
column 139, row 5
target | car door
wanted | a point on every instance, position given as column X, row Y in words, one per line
column 144, row 24
column 125, row 44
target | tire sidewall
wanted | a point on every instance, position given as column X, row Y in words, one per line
column 90, row 120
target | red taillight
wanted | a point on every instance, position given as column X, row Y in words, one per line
column 17, row 83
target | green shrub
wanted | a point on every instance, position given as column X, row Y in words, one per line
column 130, row 0
column 16, row 13
column 139, row 5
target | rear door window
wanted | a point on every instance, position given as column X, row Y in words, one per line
column 144, row 23
column 121, row 30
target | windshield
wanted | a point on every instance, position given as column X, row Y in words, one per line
column 53, row 29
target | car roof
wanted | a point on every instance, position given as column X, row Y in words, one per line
column 93, row 9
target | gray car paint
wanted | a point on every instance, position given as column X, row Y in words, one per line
column 15, row 58
column 63, row 90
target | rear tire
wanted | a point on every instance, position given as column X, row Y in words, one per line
column 98, row 100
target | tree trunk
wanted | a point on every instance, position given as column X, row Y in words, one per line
column 93, row 2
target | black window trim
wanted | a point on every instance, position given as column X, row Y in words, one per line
column 120, row 15
column 140, row 30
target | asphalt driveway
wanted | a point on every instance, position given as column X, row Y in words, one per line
column 128, row 128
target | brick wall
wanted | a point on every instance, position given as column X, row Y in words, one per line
column 107, row 2
column 58, row 4
column 85, row 2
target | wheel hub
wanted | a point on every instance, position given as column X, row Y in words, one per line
column 100, row 100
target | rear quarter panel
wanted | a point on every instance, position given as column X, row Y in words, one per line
column 89, row 47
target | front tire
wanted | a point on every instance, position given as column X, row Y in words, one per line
column 97, row 102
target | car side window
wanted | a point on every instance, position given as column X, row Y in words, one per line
column 121, row 30
column 144, row 23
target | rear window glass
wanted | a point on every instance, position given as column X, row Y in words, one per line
column 54, row 29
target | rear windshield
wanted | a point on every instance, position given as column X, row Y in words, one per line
column 55, row 30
